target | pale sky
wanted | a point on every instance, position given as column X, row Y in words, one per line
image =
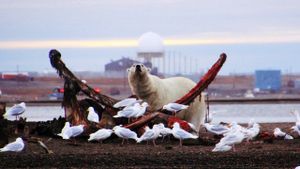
column 256, row 34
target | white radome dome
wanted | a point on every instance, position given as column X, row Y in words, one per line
column 150, row 43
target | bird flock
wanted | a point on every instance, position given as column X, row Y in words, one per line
column 131, row 108
column 232, row 133
column 150, row 134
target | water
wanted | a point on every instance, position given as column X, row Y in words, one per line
column 41, row 113
column 240, row 113
column 262, row 113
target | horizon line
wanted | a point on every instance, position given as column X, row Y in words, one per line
column 130, row 43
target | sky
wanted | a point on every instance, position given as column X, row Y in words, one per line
column 255, row 34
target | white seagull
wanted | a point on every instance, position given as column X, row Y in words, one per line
column 251, row 123
column 125, row 133
column 126, row 102
column 92, row 116
column 221, row 148
column 100, row 135
column 64, row 129
column 181, row 134
column 174, row 107
column 73, row 131
column 149, row 134
column 142, row 110
column 136, row 110
column 296, row 127
column 280, row 134
column 15, row 146
column 16, row 110
column 163, row 131
column 218, row 129
column 232, row 138
column 252, row 132
column 129, row 111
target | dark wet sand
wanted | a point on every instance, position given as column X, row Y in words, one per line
column 194, row 154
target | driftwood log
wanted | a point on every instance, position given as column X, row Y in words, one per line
column 75, row 112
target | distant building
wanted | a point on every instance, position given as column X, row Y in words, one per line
column 119, row 67
column 268, row 80
column 15, row 76
column 296, row 84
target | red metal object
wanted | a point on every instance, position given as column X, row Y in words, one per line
column 183, row 124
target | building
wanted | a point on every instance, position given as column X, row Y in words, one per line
column 119, row 67
column 296, row 84
column 268, row 80
column 15, row 76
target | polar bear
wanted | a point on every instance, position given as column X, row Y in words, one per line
column 158, row 92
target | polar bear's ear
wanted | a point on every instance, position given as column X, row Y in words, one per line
column 148, row 69
column 128, row 69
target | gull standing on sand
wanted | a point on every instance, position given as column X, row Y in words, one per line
column 218, row 129
column 296, row 127
column 16, row 110
column 92, row 116
column 251, row 123
column 252, row 132
column 232, row 138
column 149, row 134
column 64, row 129
column 174, row 107
column 280, row 134
column 73, row 131
column 221, row 148
column 100, row 135
column 125, row 133
column 15, row 146
column 181, row 134
column 163, row 131
column 126, row 102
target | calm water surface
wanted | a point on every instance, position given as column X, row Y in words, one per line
column 240, row 113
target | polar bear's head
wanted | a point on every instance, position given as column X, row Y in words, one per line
column 138, row 70
column 138, row 78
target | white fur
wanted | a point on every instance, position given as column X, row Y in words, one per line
column 158, row 92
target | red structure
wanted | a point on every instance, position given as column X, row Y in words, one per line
column 24, row 76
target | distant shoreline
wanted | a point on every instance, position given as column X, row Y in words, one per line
column 267, row 100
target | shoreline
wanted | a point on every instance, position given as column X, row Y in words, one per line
column 236, row 100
